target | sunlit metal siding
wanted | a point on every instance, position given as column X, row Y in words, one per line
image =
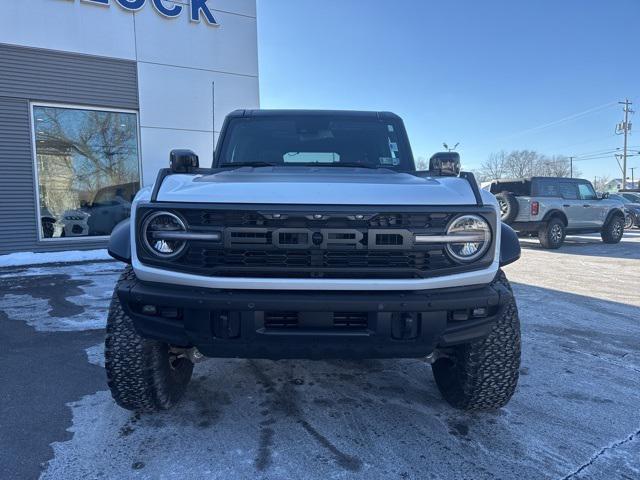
column 53, row 76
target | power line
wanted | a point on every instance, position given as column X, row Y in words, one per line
column 569, row 118
column 595, row 152
column 586, row 142
column 598, row 155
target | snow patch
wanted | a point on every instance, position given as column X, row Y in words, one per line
column 31, row 258
column 59, row 312
column 36, row 313
column 95, row 354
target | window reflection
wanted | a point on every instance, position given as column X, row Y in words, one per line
column 88, row 170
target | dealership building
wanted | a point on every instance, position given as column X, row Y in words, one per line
column 93, row 96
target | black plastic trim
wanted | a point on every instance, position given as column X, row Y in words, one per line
column 470, row 177
column 556, row 213
column 613, row 213
column 244, row 334
column 527, row 226
column 120, row 242
column 509, row 245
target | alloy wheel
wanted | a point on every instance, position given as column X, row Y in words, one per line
column 617, row 228
column 556, row 233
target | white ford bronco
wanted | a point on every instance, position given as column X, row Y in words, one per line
column 313, row 236
column 553, row 207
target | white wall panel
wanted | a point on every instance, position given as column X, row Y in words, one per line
column 182, row 98
column 230, row 47
column 157, row 143
column 68, row 25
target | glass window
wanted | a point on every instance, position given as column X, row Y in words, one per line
column 547, row 188
column 315, row 139
column 568, row 191
column 587, row 192
column 88, row 169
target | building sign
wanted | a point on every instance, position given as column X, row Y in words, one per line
column 198, row 9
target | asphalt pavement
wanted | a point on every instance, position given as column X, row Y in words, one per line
column 576, row 413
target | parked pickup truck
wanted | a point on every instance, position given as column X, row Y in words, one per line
column 553, row 207
column 313, row 236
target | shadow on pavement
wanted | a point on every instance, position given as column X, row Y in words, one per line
column 628, row 248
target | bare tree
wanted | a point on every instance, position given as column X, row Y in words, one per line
column 422, row 165
column 601, row 183
column 556, row 166
column 525, row 163
column 493, row 167
column 521, row 163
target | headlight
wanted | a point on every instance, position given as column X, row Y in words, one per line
column 474, row 234
column 162, row 232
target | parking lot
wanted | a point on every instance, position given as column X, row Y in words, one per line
column 576, row 413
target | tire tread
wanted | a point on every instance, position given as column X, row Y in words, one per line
column 485, row 373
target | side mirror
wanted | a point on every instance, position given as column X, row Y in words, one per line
column 183, row 161
column 445, row 164
column 605, row 195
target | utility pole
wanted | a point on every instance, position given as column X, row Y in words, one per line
column 571, row 162
column 623, row 129
column 633, row 181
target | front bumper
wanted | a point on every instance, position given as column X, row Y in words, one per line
column 312, row 324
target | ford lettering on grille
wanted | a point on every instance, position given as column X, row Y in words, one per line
column 321, row 238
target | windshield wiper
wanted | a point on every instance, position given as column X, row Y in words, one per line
column 248, row 164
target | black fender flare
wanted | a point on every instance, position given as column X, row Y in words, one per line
column 614, row 212
column 556, row 213
column 120, row 242
column 509, row 245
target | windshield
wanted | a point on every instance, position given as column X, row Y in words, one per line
column 315, row 140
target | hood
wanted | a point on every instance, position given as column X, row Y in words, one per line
column 316, row 186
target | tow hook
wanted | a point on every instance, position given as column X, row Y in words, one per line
column 432, row 357
column 193, row 354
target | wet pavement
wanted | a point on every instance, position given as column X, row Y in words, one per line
column 576, row 413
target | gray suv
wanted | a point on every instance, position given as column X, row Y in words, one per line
column 553, row 207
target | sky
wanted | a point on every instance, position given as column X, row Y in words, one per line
column 494, row 75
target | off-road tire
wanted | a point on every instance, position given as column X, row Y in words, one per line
column 483, row 375
column 551, row 234
column 613, row 230
column 508, row 206
column 141, row 373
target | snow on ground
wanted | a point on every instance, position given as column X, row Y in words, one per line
column 95, row 354
column 63, row 298
column 576, row 414
column 31, row 258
